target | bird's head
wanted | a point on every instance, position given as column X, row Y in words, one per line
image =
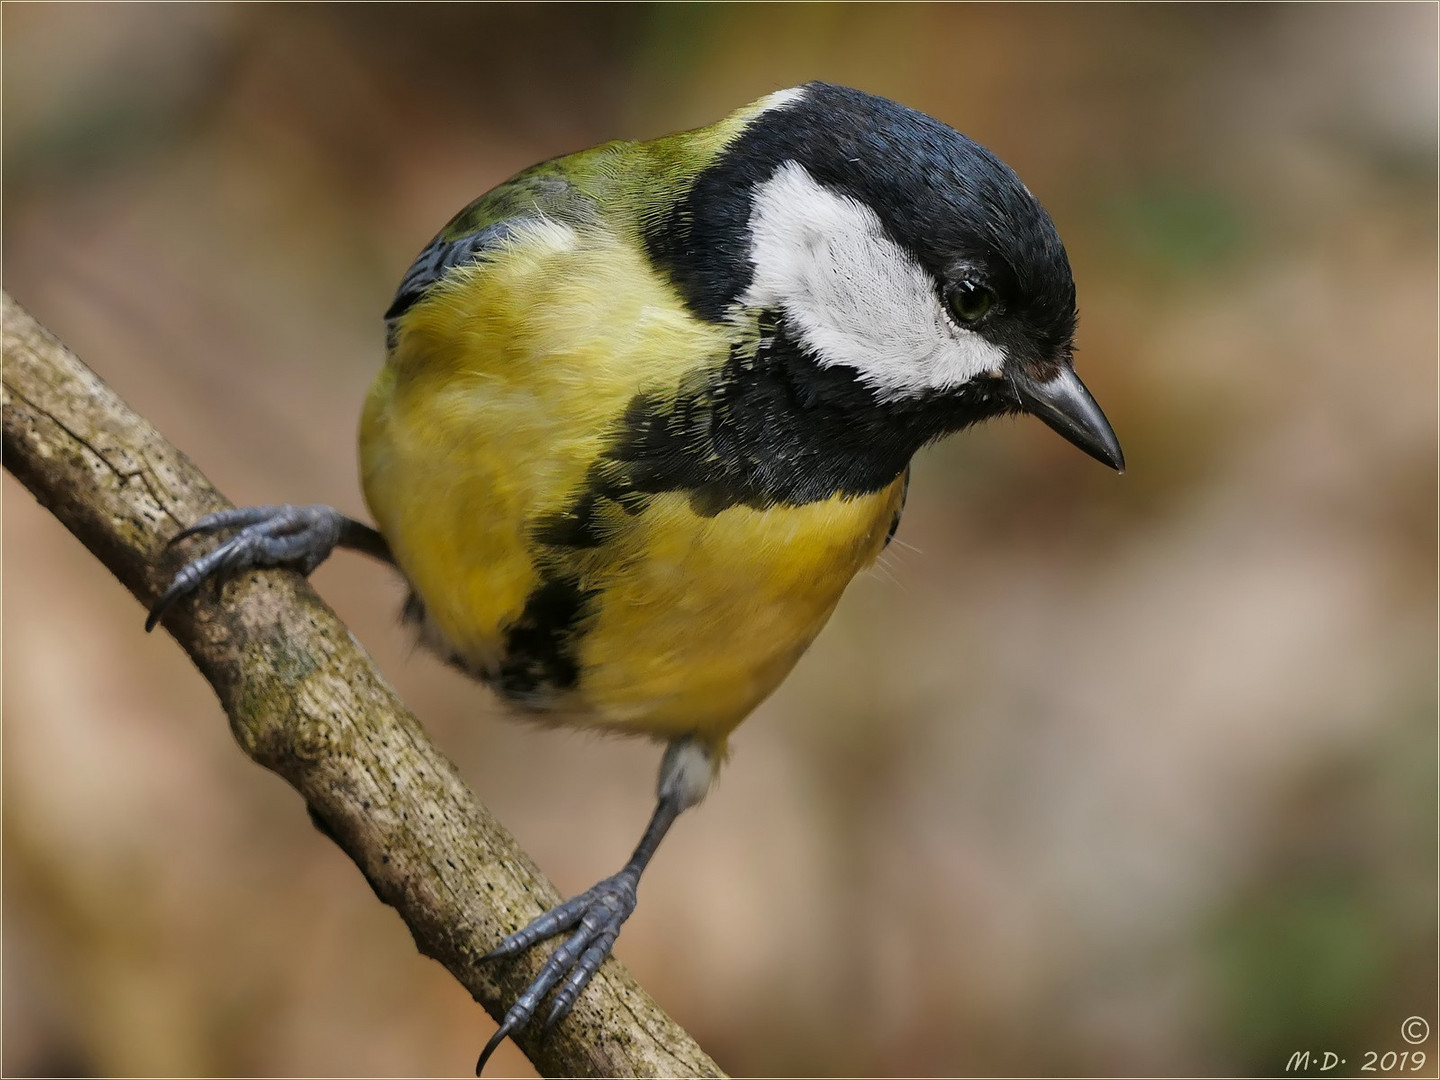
column 894, row 249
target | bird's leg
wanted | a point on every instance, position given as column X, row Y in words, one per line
column 597, row 914
column 298, row 537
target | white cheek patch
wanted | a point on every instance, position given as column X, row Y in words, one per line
column 854, row 296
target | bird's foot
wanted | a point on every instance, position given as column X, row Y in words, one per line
column 596, row 916
column 298, row 537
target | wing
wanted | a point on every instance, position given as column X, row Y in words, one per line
column 486, row 224
column 441, row 256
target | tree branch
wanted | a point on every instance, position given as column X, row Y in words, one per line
column 305, row 701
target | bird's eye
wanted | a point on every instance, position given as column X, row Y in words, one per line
column 970, row 302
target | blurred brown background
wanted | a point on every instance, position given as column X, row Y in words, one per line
column 1096, row 775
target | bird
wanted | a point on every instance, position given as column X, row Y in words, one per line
column 648, row 408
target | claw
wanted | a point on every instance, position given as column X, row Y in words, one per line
column 596, row 916
column 225, row 519
column 299, row 537
column 599, row 913
column 504, row 1031
column 585, row 969
column 548, row 925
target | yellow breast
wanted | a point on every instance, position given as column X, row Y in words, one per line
column 503, row 390
column 712, row 613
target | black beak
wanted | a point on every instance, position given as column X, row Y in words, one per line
column 1065, row 405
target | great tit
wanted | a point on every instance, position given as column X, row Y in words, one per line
column 649, row 407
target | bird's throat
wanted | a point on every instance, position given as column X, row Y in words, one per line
column 777, row 426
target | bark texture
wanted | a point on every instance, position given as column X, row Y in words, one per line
column 305, row 700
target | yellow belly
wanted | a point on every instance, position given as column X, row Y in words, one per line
column 487, row 421
column 698, row 629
